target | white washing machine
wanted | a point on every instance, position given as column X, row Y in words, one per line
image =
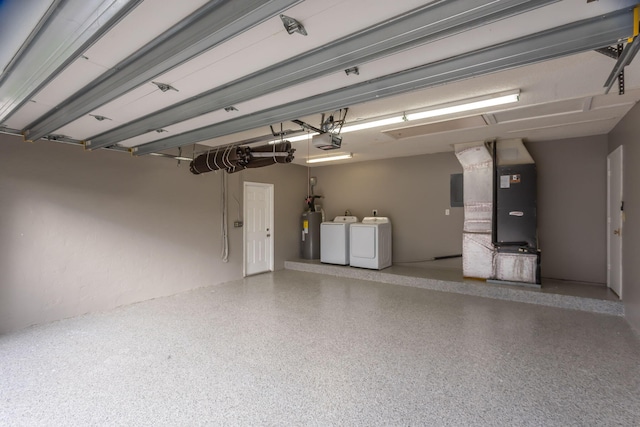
column 371, row 243
column 334, row 240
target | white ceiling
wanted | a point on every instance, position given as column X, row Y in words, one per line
column 561, row 98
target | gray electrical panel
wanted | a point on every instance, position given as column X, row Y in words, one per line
column 456, row 191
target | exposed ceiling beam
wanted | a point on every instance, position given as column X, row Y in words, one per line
column 209, row 26
column 62, row 139
column 421, row 25
column 565, row 40
column 72, row 26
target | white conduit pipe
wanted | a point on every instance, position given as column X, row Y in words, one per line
column 224, row 227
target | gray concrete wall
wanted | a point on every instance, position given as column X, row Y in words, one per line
column 82, row 232
column 627, row 133
column 572, row 207
column 412, row 191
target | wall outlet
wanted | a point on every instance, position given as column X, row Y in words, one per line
column 375, row 212
column 447, row 212
column 237, row 224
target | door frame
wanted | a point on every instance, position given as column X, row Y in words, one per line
column 270, row 188
column 610, row 215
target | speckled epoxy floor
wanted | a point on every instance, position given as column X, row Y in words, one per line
column 294, row 348
column 435, row 276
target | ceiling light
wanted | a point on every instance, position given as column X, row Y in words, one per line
column 331, row 158
column 467, row 106
column 296, row 138
column 443, row 110
column 303, row 137
column 374, row 124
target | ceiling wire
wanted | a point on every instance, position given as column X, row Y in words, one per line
column 308, row 167
column 224, row 226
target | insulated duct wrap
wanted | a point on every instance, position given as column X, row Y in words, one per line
column 477, row 255
column 516, row 267
column 234, row 159
column 477, row 249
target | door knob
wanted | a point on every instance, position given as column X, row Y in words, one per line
column 616, row 231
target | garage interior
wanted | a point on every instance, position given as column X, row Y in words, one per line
column 124, row 293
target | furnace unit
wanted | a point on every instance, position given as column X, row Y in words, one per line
column 516, row 207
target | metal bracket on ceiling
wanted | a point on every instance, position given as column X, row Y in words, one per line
column 99, row 118
column 618, row 71
column 621, row 82
column 306, row 126
column 625, row 56
column 328, row 125
column 165, row 87
column 610, row 51
column 352, row 70
column 490, row 119
column 293, row 25
column 57, row 138
column 331, row 123
column 275, row 134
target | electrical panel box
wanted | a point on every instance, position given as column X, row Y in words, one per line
column 516, row 204
column 456, row 190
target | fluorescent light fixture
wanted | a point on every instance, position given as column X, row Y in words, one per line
column 374, row 124
column 473, row 105
column 443, row 110
column 295, row 138
column 330, row 158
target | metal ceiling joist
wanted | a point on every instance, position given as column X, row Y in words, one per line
column 30, row 43
column 62, row 139
column 565, row 40
column 209, row 26
column 424, row 24
column 70, row 25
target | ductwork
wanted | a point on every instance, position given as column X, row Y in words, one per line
column 477, row 248
column 499, row 235
column 233, row 159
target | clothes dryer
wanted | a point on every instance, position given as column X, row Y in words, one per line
column 334, row 239
column 370, row 243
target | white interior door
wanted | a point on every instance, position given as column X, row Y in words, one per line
column 258, row 228
column 615, row 219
